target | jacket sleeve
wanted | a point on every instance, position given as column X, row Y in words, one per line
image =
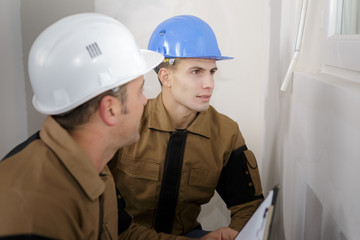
column 240, row 186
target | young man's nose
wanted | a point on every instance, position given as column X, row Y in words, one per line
column 208, row 81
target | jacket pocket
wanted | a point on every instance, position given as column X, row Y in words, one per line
column 201, row 185
column 254, row 172
column 203, row 178
column 141, row 169
column 137, row 182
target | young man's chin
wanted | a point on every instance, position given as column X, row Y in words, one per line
column 203, row 108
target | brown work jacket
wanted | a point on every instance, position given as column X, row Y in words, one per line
column 51, row 189
column 210, row 155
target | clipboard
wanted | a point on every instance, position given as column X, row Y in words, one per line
column 259, row 225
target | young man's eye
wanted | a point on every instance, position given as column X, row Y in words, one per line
column 195, row 71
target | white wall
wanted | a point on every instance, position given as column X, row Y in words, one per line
column 13, row 128
column 319, row 135
column 321, row 159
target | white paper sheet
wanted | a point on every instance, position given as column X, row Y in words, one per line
column 257, row 228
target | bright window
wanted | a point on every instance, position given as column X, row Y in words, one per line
column 342, row 43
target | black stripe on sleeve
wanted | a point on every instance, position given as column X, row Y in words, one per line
column 235, row 185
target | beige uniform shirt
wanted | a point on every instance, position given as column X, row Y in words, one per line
column 52, row 189
column 214, row 158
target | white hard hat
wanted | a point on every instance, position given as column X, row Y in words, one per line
column 82, row 56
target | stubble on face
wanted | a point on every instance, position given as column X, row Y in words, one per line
column 134, row 106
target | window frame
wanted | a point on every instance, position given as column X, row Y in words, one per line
column 340, row 51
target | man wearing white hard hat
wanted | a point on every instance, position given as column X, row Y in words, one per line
column 86, row 72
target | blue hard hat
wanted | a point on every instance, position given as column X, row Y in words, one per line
column 185, row 36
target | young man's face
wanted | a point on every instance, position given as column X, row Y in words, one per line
column 192, row 83
column 132, row 110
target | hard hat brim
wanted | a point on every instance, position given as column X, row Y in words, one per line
column 217, row 58
column 152, row 59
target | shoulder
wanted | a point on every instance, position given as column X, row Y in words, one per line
column 35, row 168
column 21, row 146
column 27, row 181
column 25, row 157
column 221, row 120
column 225, row 129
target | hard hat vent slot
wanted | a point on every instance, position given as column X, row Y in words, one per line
column 162, row 32
column 93, row 50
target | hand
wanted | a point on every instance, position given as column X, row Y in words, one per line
column 223, row 233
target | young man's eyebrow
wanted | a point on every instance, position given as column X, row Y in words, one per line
column 200, row 68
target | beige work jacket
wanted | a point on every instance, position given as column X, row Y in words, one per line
column 52, row 189
column 213, row 141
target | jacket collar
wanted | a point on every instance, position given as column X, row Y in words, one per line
column 158, row 119
column 74, row 158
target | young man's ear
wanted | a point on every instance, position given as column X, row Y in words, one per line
column 164, row 76
column 109, row 107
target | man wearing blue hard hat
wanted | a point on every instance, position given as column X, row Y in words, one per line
column 187, row 149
